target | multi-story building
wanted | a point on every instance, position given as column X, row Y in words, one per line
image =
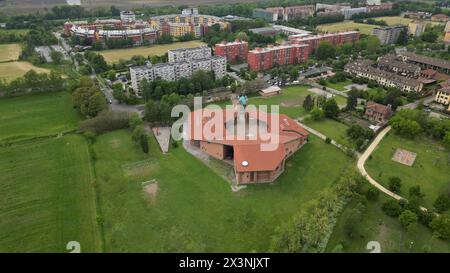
column 443, row 96
column 127, row 16
column 366, row 69
column 233, row 51
column 394, row 64
column 335, row 39
column 380, row 7
column 188, row 54
column 416, row 28
column 298, row 12
column 180, row 29
column 266, row 58
column 266, row 15
column 349, row 12
column 190, row 11
column 388, row 34
column 426, row 62
column 377, row 112
column 290, row 30
column 173, row 71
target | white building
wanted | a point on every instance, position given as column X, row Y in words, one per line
column 349, row 12
column 188, row 54
column 127, row 16
column 190, row 11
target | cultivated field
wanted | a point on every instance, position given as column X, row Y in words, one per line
column 9, row 52
column 393, row 20
column 114, row 55
column 346, row 25
column 47, row 197
column 199, row 212
column 37, row 115
column 431, row 169
column 13, row 70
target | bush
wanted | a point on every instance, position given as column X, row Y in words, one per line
column 144, row 143
column 392, row 208
column 90, row 136
column 174, row 144
column 372, row 194
column 135, row 121
column 328, row 140
column 407, row 218
column 317, row 114
column 104, row 122
column 395, row 183
column 442, row 203
column 441, row 226
column 415, row 191
column 138, row 132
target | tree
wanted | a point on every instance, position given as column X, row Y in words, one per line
column 351, row 223
column 135, row 120
column 144, row 143
column 331, row 108
column 395, row 183
column 403, row 37
column 415, row 191
column 429, row 37
column 56, row 56
column 352, row 100
column 88, row 98
column 392, row 208
column 242, row 36
column 372, row 194
column 137, row 133
column 317, row 114
column 442, row 203
column 441, row 226
column 407, row 218
column 308, row 103
column 447, row 138
column 405, row 127
column 325, row 51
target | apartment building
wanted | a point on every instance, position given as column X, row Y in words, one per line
column 349, row 12
column 298, row 12
column 266, row 15
column 416, row 28
column 388, row 34
column 266, row 58
column 443, row 96
column 127, row 16
column 380, row 7
column 233, row 51
column 180, row 29
column 188, row 54
column 366, row 69
column 335, row 39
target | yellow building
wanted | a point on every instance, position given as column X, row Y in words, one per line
column 416, row 28
column 443, row 96
column 179, row 29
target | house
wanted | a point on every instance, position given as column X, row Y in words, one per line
column 378, row 113
column 270, row 91
column 439, row 18
column 443, row 96
column 244, row 149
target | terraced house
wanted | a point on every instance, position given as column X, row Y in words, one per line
column 366, row 69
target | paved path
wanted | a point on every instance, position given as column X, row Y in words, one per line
column 362, row 160
column 162, row 135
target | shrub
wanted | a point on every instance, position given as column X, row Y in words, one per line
column 328, row 140
column 104, row 122
column 407, row 218
column 372, row 194
column 442, row 203
column 395, row 183
column 135, row 121
column 392, row 208
column 90, row 136
column 144, row 143
column 441, row 226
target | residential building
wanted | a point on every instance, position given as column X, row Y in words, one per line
column 266, row 15
column 266, row 58
column 293, row 12
column 252, row 163
column 380, row 7
column 447, row 27
column 378, row 113
column 270, row 91
column 366, row 69
column 373, row 2
column 266, row 31
column 335, row 39
column 443, row 96
column 440, row 18
column 278, row 13
column 188, row 54
column 395, row 64
column 190, row 11
column 127, row 16
column 388, row 34
column 290, row 30
column 349, row 12
column 447, row 38
column 416, row 28
column 181, row 29
column 233, row 51
column 425, row 62
column 332, row 8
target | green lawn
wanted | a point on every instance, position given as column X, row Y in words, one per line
column 194, row 208
column 340, row 86
column 47, row 197
column 431, row 170
column 36, row 115
column 331, row 128
column 377, row 226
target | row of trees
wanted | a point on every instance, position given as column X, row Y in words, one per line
column 33, row 82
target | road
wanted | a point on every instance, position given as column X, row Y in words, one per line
column 363, row 158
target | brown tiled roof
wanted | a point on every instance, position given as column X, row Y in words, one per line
column 392, row 61
column 427, row 60
column 379, row 108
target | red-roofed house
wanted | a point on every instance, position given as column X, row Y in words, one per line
column 252, row 162
column 378, row 113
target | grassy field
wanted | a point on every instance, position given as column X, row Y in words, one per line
column 9, row 52
column 331, row 128
column 13, row 70
column 377, row 226
column 346, row 25
column 114, row 55
column 394, row 20
column 199, row 212
column 14, row 31
column 47, row 197
column 431, row 170
column 340, row 86
column 36, row 115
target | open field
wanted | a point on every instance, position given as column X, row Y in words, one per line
column 340, row 86
column 394, row 20
column 346, row 25
column 9, row 52
column 13, row 70
column 377, row 226
column 114, row 55
column 36, row 115
column 331, row 128
column 431, row 169
column 47, row 197
column 14, row 31
column 199, row 212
